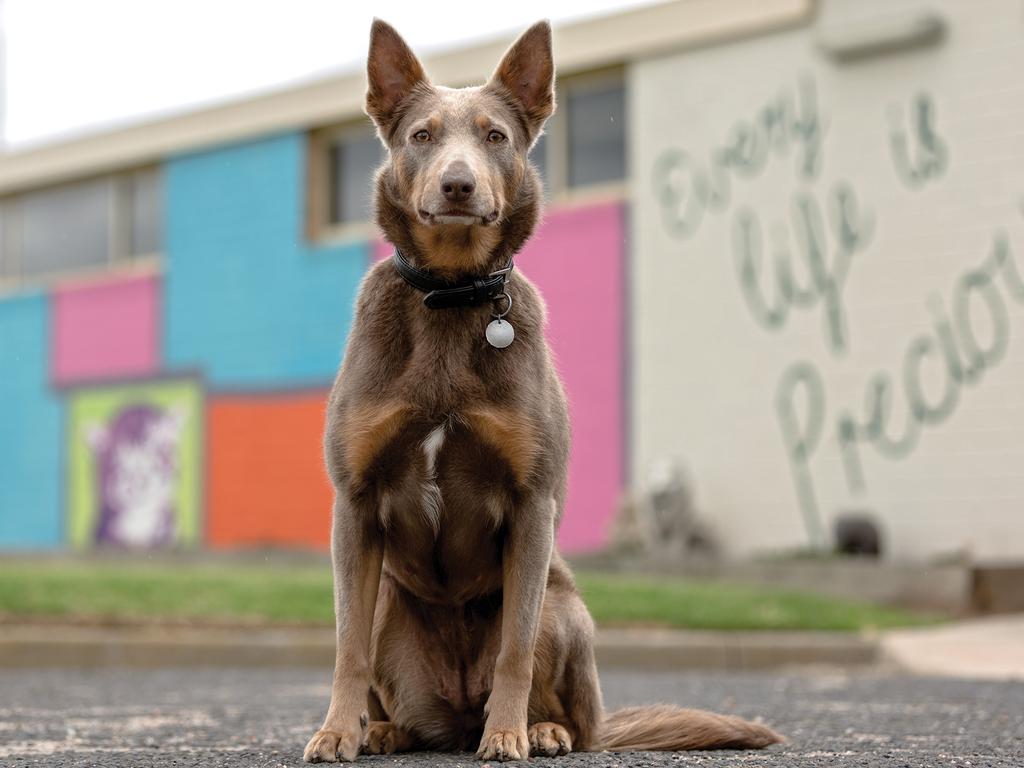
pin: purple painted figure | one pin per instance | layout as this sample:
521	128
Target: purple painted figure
136	460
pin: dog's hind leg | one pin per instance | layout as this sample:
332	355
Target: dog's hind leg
416	703
549	739
565	666
374	708
382	737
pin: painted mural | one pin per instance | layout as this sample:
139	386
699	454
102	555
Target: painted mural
135	465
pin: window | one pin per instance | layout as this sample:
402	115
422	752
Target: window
64	228
81	225
539	156
145	205
341	163
353	160
583	148
6	250
597	134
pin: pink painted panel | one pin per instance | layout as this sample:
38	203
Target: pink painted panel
380	249
104	330
576	259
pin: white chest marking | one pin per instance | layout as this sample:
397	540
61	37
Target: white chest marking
431	493
431	445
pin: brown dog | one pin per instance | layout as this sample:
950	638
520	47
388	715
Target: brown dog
459	625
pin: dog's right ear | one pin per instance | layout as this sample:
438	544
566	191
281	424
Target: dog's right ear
392	72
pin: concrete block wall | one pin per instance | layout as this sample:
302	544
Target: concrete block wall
828	313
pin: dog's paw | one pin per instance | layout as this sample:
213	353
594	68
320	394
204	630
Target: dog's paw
328	746
549	739
504	745
382	738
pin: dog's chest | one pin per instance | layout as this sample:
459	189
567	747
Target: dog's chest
444	516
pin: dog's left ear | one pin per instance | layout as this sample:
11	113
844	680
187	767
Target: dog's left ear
527	72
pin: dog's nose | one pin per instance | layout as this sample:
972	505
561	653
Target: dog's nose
457	183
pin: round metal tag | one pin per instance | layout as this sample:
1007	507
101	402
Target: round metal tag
500	333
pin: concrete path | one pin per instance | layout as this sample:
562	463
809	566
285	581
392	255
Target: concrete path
261	718
991	648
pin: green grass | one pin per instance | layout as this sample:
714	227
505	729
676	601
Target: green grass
630	600
136	590
282	593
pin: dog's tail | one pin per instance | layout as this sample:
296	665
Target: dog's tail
663	727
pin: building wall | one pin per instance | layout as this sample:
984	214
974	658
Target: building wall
577	260
249	301
30	428
185	406
828	317
266	481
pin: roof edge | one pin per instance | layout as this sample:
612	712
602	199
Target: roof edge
581	45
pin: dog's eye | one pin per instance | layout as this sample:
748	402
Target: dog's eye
494	137
421	136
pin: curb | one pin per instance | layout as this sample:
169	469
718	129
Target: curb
658	649
638	649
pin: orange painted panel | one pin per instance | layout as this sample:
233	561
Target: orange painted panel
266	481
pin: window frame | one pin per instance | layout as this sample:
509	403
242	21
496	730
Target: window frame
319	226
119	257
121	218
559	192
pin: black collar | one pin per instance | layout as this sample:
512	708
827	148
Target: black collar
444	295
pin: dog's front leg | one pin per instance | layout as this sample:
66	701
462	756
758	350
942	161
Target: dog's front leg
525	564
357	555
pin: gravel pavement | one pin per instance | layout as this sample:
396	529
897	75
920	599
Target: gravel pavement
261	718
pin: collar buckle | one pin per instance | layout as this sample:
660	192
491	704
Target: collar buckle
444	295
504	271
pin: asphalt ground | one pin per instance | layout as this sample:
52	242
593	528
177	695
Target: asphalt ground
262	718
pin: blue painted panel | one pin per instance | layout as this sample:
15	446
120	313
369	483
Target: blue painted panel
248	301
30	429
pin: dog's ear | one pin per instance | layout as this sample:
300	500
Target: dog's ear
527	72
392	72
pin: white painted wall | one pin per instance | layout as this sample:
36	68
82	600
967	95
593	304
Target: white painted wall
709	382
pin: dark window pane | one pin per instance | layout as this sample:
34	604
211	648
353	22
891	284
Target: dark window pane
539	157
597	134
144	214
353	161
65	227
6	256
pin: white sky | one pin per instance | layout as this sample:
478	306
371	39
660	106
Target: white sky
82	65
